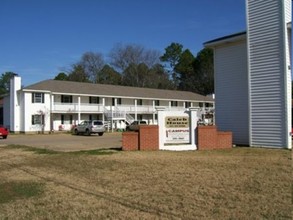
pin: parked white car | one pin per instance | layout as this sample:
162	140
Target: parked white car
90	127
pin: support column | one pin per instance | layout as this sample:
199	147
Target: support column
78	109
135	109
154	111
52	107
193	126
103	115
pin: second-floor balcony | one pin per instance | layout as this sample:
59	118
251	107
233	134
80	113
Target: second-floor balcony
59	107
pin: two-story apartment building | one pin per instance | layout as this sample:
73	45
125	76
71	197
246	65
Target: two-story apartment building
58	105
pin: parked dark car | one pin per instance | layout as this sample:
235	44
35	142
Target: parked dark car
3	132
90	127
134	126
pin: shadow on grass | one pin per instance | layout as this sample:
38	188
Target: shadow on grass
10	191
103	151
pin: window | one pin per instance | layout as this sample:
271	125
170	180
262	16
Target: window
174	103
157	102
70	119
38	97
139	102
94	100
37	119
66	98
62	119
118	101
187	104
98	123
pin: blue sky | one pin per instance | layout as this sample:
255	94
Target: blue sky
40	38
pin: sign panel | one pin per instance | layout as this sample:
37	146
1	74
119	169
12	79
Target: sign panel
177	130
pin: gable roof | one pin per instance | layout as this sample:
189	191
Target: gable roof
69	87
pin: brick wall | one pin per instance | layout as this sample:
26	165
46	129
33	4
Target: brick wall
224	139
210	138
130	141
146	139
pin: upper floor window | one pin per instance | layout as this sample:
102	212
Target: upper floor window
139	102
174	103
187	104
157	102
94	100
117	101
38	97
66	98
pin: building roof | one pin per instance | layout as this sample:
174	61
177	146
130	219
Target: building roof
226	39
69	87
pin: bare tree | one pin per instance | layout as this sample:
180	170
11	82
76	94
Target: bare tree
122	56
92	64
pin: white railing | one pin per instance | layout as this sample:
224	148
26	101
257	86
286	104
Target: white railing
91	107
110	111
148	109
65	107
129	119
74	107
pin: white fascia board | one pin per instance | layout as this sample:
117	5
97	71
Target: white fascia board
35	90
225	40
129	97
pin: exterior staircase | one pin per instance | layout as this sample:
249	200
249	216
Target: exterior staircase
114	114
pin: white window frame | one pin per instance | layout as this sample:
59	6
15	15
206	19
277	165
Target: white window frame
37	119
38	97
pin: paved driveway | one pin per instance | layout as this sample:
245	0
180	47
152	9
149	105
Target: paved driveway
65	142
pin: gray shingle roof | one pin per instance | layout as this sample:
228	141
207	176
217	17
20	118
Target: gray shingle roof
68	87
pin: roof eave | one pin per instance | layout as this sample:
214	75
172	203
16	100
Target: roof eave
226	40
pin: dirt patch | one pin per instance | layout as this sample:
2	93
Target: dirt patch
241	183
65	141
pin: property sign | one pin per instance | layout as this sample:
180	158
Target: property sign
177	129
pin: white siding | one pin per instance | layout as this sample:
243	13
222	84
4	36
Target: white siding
231	90
267	74
288	65
30	109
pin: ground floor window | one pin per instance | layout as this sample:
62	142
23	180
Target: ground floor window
37	119
66	119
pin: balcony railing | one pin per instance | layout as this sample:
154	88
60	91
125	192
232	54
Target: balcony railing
99	108
74	107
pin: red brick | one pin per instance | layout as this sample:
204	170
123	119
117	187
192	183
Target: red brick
209	138
148	137
129	141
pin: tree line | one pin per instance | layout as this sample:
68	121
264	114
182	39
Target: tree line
135	65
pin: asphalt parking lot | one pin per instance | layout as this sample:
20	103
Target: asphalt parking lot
65	141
